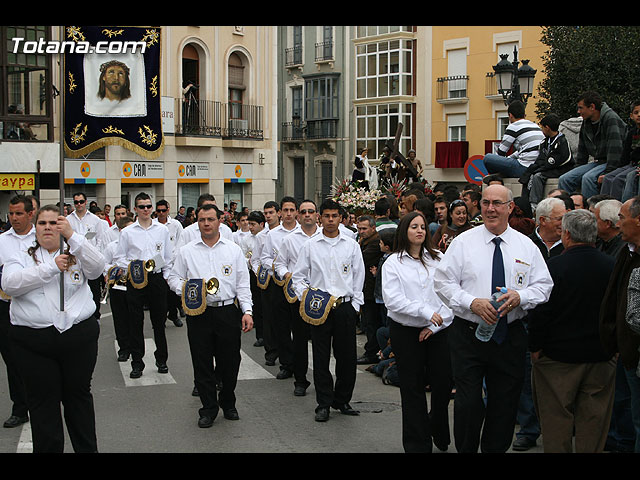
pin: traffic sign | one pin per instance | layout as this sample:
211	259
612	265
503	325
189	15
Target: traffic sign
475	170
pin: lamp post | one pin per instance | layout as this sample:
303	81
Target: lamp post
514	83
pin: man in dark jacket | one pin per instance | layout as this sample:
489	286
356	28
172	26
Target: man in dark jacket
370	314
601	137
615	334
573	377
554	159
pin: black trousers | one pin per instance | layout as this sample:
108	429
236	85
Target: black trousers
301	331
96	291
155	296
16	386
215	335
173	303
502	366
56	369
121	323
268	331
371	321
414	359
281	322
337	332
256	296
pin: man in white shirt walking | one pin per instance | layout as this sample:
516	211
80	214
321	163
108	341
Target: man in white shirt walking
280	318
215	324
332	263
478	263
284	265
175	231
146	240
95	229
18	238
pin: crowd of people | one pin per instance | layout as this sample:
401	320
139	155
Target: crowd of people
554	278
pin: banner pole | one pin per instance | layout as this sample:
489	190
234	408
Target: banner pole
61	176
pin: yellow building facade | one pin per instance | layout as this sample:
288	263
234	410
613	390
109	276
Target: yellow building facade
463	107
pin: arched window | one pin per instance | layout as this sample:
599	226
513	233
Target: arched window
236	86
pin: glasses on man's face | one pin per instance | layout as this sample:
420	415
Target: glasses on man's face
493	203
78	202
161	210
144	207
310	211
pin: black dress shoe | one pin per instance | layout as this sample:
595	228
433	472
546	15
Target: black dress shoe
14	421
259	343
284	373
162	367
177	322
364	360
123	357
345	409
205	421
269	362
522	444
322	414
194	392
299	391
135	373
231	414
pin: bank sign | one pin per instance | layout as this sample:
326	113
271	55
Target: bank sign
189	172
142	172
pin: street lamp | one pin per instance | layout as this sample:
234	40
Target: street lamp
514	83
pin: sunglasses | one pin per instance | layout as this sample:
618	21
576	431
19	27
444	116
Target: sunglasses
161	210
144	207
78	202
304	212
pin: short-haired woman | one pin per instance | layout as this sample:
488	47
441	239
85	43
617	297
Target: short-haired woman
55	349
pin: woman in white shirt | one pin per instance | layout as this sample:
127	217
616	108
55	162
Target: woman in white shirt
418	322
56	349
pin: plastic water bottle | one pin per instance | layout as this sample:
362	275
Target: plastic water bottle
484	330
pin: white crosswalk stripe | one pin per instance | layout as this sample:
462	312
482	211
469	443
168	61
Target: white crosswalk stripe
150	376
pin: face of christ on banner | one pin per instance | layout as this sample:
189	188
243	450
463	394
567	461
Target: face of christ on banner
114	83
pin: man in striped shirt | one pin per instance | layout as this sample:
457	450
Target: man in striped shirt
524	136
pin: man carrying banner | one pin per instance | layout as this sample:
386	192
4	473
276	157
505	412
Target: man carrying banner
145	250
328	279
211	275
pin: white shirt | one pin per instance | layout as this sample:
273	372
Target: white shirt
175	231
290	248
464	273
271	245
112	233
258	243
139	243
12	243
35	288
90	223
224	261
407	290
334	265
238	235
192	232
346	231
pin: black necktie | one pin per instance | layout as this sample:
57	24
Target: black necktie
497	280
